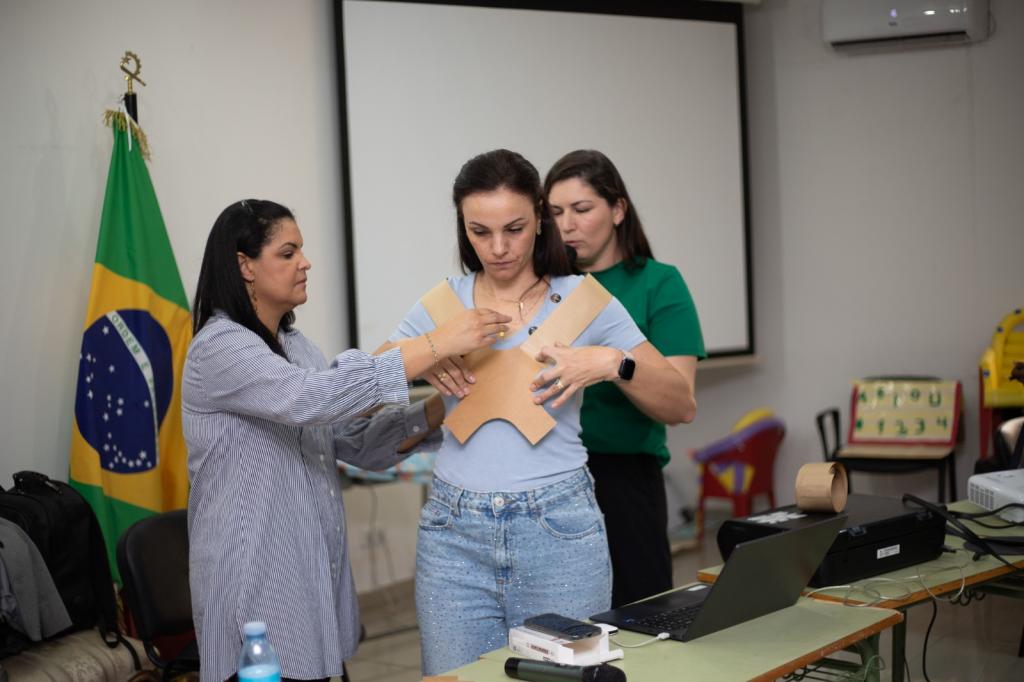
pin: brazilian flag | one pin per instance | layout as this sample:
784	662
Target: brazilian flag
128	456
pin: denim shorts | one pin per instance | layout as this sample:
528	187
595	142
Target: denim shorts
487	561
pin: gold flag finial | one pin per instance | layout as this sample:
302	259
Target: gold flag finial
133	74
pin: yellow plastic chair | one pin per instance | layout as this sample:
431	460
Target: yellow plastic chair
996	388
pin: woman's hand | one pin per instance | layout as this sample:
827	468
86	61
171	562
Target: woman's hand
450	377
574	370
469	330
466	332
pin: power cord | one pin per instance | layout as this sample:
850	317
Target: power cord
876	661
1007	524
956	527
874	664
661	636
975	516
978	544
988	512
927	633
878	597
920	578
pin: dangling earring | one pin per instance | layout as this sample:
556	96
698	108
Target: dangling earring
538	229
252	296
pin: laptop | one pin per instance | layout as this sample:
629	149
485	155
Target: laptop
760	576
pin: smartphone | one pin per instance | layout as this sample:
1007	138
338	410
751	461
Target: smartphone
561	626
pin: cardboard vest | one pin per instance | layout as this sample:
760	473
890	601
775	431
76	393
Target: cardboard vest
503	377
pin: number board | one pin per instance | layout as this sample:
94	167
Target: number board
904	412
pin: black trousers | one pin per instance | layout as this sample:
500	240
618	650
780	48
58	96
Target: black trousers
630	490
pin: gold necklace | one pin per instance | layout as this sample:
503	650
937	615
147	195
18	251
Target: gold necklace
519	302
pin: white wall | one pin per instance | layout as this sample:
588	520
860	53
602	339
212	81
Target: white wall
887	222
241	102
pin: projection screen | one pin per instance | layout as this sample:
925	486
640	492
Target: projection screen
424	87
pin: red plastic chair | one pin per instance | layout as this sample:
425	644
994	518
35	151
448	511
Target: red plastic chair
739	466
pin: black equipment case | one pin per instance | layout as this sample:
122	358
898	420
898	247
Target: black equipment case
882	534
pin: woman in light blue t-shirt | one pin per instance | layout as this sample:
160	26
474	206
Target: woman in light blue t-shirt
512	530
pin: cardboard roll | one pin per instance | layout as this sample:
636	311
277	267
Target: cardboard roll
821	487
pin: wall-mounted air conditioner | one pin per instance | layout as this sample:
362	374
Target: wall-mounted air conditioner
847	22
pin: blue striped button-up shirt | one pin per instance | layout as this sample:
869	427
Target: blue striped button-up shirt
266	523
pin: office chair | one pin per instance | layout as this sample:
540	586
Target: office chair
152	556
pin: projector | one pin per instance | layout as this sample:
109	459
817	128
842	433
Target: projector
993	490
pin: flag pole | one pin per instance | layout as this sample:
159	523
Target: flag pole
131	102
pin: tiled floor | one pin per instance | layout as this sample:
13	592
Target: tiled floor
967	644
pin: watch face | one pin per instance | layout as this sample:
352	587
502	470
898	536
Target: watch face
627	368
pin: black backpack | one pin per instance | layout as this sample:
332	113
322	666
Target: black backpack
64	528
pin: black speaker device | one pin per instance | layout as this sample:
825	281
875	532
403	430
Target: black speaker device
543	671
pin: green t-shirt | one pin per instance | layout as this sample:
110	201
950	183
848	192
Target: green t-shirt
660	303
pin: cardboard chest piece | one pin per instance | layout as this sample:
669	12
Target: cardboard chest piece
503	377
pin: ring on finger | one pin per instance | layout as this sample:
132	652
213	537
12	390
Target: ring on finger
559	385
443	376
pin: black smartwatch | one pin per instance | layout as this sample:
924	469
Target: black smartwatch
627	366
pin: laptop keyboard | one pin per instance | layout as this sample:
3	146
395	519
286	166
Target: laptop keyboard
669	621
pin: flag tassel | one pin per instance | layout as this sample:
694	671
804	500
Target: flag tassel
120	119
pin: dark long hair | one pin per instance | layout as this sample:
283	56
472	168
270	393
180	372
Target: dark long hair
597	170
501	168
243	227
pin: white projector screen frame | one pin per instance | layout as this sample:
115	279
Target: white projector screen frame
426	86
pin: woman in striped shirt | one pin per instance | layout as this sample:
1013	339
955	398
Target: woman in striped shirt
265	418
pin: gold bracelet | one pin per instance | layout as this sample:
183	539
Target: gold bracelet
433	349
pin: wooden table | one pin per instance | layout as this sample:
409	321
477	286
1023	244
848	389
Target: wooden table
917	584
761	649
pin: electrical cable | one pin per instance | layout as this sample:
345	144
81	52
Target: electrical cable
865	670
1007	524
928	632
976	516
812	672
660	636
993	512
962	531
876	595
920	578
956	527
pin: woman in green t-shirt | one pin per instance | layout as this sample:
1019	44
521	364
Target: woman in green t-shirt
624	433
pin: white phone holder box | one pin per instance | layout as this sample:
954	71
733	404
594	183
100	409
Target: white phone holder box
543	647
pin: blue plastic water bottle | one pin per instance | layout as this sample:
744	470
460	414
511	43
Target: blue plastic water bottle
258	662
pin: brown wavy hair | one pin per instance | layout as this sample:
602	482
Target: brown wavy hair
597	170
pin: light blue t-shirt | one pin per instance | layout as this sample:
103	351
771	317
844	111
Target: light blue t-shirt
497	458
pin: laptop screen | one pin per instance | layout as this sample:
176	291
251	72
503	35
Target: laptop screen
760	576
